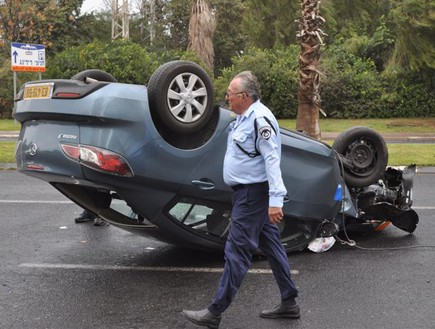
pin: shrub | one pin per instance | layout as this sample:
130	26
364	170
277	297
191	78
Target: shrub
350	87
277	72
7	87
128	62
406	97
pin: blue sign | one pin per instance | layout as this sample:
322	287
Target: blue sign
27	57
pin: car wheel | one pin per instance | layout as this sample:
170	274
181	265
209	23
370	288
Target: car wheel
365	153
95	75
181	96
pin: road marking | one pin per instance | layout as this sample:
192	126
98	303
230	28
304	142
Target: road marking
35	201
70	202
140	268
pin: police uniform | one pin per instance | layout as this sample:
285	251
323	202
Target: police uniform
252	169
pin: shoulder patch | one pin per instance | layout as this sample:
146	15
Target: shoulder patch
265	132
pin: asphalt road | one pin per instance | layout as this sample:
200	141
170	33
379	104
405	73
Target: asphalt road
59	275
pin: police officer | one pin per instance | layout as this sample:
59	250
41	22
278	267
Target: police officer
252	169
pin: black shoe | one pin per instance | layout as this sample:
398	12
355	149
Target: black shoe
203	318
84	217
282	311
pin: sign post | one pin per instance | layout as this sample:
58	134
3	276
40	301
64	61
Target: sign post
27	57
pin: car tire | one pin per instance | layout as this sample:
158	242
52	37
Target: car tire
181	96
366	153
94	74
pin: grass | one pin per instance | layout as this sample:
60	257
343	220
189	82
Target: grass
423	155
7	150
9	125
399	154
416	125
400	125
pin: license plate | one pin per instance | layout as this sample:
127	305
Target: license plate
38	90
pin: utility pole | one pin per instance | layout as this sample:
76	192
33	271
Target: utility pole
120	27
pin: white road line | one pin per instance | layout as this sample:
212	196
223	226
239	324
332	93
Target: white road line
68	202
139	268
35	201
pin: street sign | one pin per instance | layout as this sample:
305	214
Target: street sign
27	57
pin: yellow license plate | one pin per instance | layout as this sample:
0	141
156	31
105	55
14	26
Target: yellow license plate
38	90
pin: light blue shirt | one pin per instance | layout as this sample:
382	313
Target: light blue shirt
239	168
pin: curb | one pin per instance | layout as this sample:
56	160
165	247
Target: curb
8	166
420	170
389	137
395	137
9	134
409	137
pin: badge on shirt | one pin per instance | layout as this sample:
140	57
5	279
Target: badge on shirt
265	132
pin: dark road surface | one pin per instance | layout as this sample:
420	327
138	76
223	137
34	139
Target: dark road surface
60	275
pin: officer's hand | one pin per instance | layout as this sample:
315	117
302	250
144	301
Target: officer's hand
275	215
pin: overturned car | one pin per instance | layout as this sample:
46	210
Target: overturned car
148	159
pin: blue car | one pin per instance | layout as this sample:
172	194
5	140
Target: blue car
148	159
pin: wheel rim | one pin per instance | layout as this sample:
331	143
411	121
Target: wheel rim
362	153
187	98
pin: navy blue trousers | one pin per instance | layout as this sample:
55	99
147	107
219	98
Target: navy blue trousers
251	229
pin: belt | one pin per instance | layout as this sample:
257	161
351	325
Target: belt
240	186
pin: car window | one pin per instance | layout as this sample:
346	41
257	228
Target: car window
210	217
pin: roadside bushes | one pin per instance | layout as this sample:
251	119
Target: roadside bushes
7	87
353	88
350	87
407	97
277	72
128	62
6	90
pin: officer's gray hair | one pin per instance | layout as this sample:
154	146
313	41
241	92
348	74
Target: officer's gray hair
250	84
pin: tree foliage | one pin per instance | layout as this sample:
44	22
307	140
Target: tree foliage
229	39
125	60
415	26
28	21
379	58
351	87
277	72
57	24
269	23
355	16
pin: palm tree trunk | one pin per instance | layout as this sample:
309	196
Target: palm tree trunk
309	34
202	25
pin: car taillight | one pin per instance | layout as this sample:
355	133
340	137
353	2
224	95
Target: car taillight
72	151
98	158
67	95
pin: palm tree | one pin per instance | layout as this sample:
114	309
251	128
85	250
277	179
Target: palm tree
202	25
310	36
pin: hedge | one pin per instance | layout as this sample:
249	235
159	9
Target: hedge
350	86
